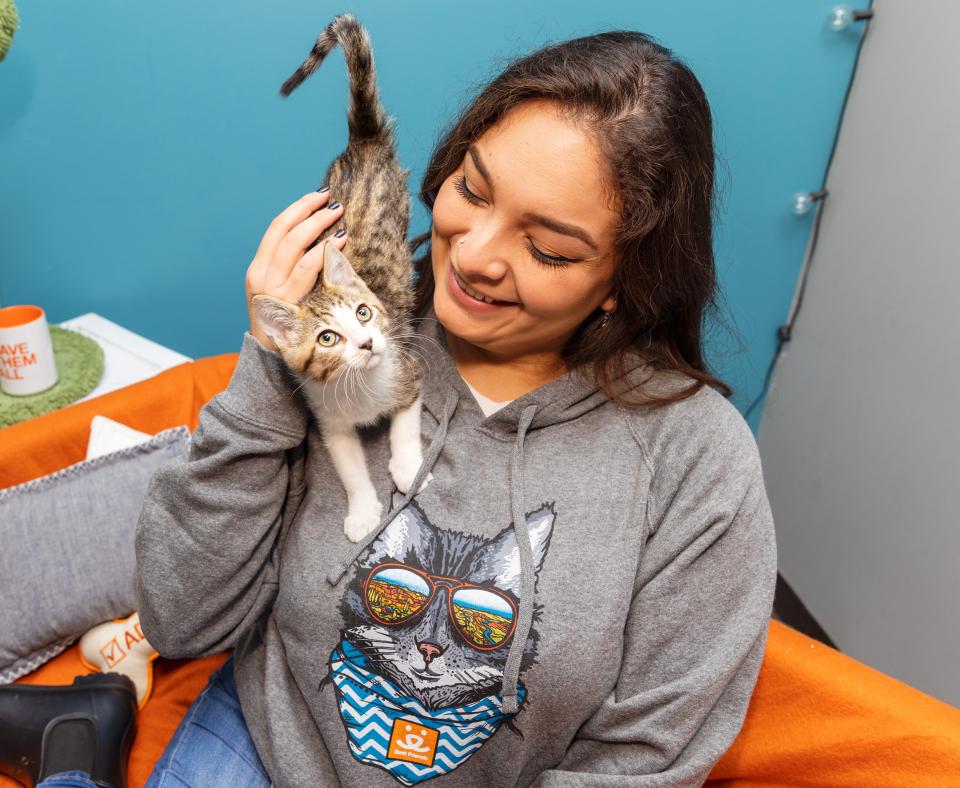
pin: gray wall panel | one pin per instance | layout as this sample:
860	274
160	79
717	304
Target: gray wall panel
861	434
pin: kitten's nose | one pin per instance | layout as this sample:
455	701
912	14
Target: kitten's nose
430	651
368	345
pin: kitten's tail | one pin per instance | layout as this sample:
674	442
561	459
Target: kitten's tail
366	117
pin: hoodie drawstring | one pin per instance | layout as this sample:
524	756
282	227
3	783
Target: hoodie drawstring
511	671
433	452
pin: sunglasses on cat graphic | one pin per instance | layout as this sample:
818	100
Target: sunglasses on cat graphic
396	594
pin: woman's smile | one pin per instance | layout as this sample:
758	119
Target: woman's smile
473	299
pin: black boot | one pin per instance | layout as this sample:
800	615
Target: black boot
88	726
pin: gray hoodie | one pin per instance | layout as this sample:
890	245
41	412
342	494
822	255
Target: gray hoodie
579	597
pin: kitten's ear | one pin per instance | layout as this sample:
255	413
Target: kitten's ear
279	319
499	560
337	271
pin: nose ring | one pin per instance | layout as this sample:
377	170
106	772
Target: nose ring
462	240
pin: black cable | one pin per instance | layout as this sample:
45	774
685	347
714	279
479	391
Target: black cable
785	332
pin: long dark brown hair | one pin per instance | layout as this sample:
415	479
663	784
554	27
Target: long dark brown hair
651	121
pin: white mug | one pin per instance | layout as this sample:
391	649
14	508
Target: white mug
27	364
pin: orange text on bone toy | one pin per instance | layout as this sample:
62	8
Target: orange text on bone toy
13	358
113	653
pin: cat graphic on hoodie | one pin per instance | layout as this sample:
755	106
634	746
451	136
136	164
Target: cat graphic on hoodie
429	617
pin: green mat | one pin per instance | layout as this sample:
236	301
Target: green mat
9	22
80	367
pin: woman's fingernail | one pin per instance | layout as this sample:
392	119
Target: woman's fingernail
340	233
323	189
333	206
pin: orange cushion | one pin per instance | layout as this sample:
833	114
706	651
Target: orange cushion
820	717
817	716
57	439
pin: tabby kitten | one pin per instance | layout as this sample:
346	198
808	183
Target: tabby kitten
346	339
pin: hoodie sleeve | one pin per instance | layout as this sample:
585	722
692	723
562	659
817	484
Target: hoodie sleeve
697	626
205	537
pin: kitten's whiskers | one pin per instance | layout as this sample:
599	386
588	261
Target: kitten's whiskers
361	379
412	349
411	335
306	380
336	392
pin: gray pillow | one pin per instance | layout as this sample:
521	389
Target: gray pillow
66	550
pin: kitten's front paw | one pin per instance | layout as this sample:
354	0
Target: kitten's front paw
403	468
362	520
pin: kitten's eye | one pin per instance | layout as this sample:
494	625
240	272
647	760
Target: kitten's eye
328	338
364	313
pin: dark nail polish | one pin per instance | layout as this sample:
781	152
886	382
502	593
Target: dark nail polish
339	233
333	206
323	189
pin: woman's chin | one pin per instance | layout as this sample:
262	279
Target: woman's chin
461	331
457	322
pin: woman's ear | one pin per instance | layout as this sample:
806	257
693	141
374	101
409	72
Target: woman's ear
610	303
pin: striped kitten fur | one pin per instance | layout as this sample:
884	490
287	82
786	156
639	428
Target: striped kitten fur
346	340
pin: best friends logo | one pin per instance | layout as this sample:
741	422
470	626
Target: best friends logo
412	742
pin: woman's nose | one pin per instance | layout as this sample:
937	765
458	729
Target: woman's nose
480	255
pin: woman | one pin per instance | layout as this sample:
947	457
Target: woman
580	595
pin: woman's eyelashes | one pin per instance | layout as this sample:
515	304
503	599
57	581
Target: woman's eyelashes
460	184
546	259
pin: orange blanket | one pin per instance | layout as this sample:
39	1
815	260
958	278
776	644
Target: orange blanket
817	717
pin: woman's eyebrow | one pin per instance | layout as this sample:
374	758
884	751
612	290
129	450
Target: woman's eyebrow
551	224
478	163
562	228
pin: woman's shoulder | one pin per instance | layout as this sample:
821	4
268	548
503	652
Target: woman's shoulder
705	468
705	425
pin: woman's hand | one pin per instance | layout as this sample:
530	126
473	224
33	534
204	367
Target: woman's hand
282	267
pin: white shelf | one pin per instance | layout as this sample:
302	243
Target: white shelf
127	357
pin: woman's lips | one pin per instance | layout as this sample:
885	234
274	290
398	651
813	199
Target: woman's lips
467	300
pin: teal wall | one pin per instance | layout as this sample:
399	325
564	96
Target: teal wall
144	147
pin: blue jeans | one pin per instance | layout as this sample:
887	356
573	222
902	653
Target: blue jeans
210	748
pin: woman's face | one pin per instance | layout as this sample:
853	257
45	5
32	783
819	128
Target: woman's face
525	220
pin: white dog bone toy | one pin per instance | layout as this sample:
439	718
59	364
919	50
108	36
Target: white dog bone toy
119	646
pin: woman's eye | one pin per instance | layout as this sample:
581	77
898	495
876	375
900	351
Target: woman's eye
460	184
328	338
547	259
364	313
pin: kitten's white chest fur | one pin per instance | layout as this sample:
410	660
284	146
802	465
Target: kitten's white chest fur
342	407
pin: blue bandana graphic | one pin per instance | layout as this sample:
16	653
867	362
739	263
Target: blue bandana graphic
396	733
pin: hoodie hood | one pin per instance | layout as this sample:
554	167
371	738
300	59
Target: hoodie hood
444	391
